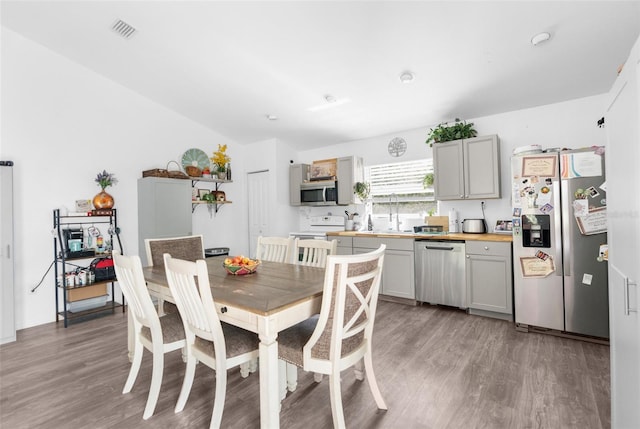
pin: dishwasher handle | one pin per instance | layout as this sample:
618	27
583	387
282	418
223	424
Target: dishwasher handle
439	248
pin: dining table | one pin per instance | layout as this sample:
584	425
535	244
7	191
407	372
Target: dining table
273	298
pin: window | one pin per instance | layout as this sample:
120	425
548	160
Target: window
406	182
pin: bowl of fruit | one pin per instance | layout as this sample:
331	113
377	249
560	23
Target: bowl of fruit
240	265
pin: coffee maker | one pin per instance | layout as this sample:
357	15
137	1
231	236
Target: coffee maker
73	242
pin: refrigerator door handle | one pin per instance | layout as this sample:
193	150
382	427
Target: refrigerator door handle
627	309
565	240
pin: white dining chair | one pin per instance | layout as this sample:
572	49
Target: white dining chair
189	248
275	249
218	345
313	253
340	337
159	335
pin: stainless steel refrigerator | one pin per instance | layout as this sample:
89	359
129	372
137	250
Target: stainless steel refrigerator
560	241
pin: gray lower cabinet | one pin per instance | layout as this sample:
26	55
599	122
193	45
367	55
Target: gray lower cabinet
345	245
489	279
398	277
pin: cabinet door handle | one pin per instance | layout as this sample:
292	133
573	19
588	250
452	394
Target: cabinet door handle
627	309
486	247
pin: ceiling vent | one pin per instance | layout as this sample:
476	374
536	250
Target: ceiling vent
123	29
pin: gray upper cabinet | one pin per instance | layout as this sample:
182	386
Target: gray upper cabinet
467	169
350	171
297	174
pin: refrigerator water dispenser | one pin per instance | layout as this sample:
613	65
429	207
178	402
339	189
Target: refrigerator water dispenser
536	231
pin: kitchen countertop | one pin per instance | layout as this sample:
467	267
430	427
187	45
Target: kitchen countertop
507	238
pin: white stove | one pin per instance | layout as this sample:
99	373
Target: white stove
319	226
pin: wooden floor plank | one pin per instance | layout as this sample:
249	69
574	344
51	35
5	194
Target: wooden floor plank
437	367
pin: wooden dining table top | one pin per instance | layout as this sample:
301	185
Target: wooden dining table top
273	287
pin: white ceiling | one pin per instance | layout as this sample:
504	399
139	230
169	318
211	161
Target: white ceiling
227	65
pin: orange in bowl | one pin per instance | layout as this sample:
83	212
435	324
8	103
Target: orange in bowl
240	265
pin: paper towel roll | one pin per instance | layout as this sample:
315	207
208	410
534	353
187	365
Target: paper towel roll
453	221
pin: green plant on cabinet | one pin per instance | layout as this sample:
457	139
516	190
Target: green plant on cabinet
444	132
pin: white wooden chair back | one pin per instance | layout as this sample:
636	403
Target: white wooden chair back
345	326
275	249
189	285
131	280
194	300
189	248
313	253
158	335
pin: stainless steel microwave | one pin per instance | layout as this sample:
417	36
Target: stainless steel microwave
319	193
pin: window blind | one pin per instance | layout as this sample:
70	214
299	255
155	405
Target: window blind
401	178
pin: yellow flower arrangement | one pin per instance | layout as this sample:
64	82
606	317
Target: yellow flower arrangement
220	158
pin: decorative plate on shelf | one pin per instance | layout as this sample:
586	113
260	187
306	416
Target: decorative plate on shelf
195	158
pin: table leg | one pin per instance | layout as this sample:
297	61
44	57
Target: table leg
269	395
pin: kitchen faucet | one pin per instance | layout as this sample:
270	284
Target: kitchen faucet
397	211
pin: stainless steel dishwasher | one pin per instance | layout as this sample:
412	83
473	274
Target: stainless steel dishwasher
440	272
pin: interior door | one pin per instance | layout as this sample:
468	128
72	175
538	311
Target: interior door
259	198
7	319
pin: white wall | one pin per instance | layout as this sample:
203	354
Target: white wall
61	125
570	124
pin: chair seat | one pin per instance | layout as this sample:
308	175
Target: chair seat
172	329
169	307
292	340
237	340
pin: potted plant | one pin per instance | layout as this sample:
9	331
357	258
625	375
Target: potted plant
103	200
444	132
220	160
427	181
362	189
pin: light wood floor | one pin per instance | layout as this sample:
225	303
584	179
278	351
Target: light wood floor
436	367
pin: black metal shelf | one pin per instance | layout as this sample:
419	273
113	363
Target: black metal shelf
61	261
109	306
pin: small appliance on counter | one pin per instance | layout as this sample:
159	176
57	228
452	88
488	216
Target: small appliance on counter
429	229
216	251
474	226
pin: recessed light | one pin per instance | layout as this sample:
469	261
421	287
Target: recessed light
272	117
540	38
406	77
330	98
